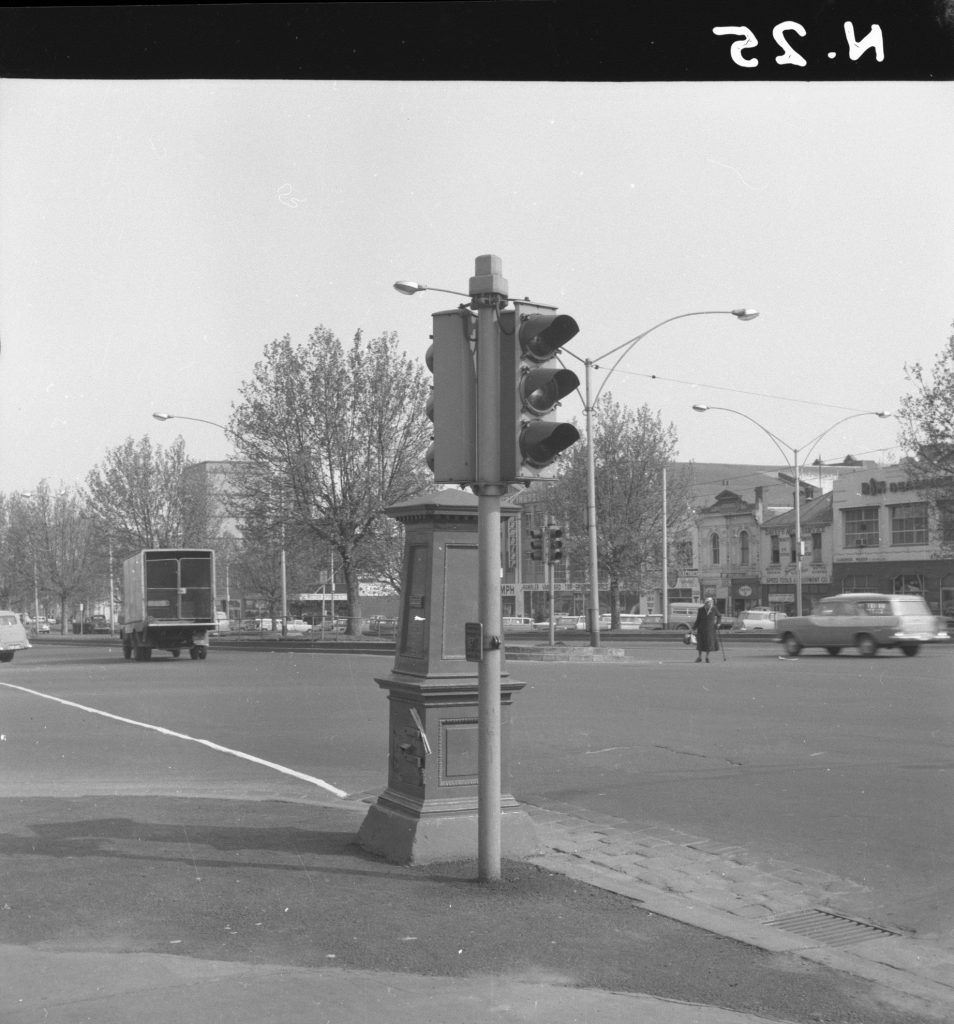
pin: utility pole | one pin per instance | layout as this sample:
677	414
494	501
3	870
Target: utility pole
488	289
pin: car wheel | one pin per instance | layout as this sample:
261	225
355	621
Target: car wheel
866	645
6	655
194	653
791	645
176	652
833	650
910	649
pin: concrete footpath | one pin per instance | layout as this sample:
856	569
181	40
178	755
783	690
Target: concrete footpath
148	909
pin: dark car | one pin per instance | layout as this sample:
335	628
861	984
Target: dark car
96	624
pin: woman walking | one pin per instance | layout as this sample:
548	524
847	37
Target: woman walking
707	629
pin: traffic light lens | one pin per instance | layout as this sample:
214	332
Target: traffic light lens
542	441
541	335
542	389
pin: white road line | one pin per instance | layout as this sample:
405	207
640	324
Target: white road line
182	736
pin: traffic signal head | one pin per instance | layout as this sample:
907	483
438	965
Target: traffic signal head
556	544
452	404
532	386
537	545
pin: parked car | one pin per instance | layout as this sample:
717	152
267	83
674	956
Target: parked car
652	621
517	623
867	622
296	626
13	636
42	625
222	624
754	619
96	624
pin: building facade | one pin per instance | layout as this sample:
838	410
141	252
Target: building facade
887	540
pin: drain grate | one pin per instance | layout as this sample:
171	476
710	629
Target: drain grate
832	929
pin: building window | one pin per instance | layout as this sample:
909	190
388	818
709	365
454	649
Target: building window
945	514
714	548
792	549
907	583
816	548
858	583
776	550
744	548
909	523
861	527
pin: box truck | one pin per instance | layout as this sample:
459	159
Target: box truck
168	602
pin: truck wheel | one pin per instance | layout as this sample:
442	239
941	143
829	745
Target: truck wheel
127	648
194	653
203	653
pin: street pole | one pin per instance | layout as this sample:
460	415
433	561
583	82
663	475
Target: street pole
488	289
665	554
551	581
593	609
798	535
112	592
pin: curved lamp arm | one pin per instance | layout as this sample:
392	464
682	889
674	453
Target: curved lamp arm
163	416
628	346
777	441
810	445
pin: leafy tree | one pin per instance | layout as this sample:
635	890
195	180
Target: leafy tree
142	500
331	438
927	432
630	452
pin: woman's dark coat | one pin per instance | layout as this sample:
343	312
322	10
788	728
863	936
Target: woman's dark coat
707	629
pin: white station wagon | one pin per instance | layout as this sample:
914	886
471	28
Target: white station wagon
13	636
866	622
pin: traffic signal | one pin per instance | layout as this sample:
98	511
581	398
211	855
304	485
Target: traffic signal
533	383
537	545
556	544
452	405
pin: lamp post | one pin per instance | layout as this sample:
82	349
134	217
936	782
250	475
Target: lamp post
163	417
785	449
593	611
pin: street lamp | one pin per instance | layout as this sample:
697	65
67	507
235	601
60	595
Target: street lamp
412	288
162	417
624	349
785	449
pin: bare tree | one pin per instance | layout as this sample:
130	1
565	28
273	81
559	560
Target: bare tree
927	433
332	437
58	548
630	453
140	496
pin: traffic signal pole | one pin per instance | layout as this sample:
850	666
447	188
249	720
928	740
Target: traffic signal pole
488	289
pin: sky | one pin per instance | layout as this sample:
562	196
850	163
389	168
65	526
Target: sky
156	236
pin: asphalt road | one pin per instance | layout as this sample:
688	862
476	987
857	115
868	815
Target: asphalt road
842	765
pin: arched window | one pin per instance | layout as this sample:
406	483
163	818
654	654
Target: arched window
714	547
744	547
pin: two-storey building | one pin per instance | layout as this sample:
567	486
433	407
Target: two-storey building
888	540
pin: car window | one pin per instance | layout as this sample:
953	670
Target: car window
828	609
8	620
874	607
